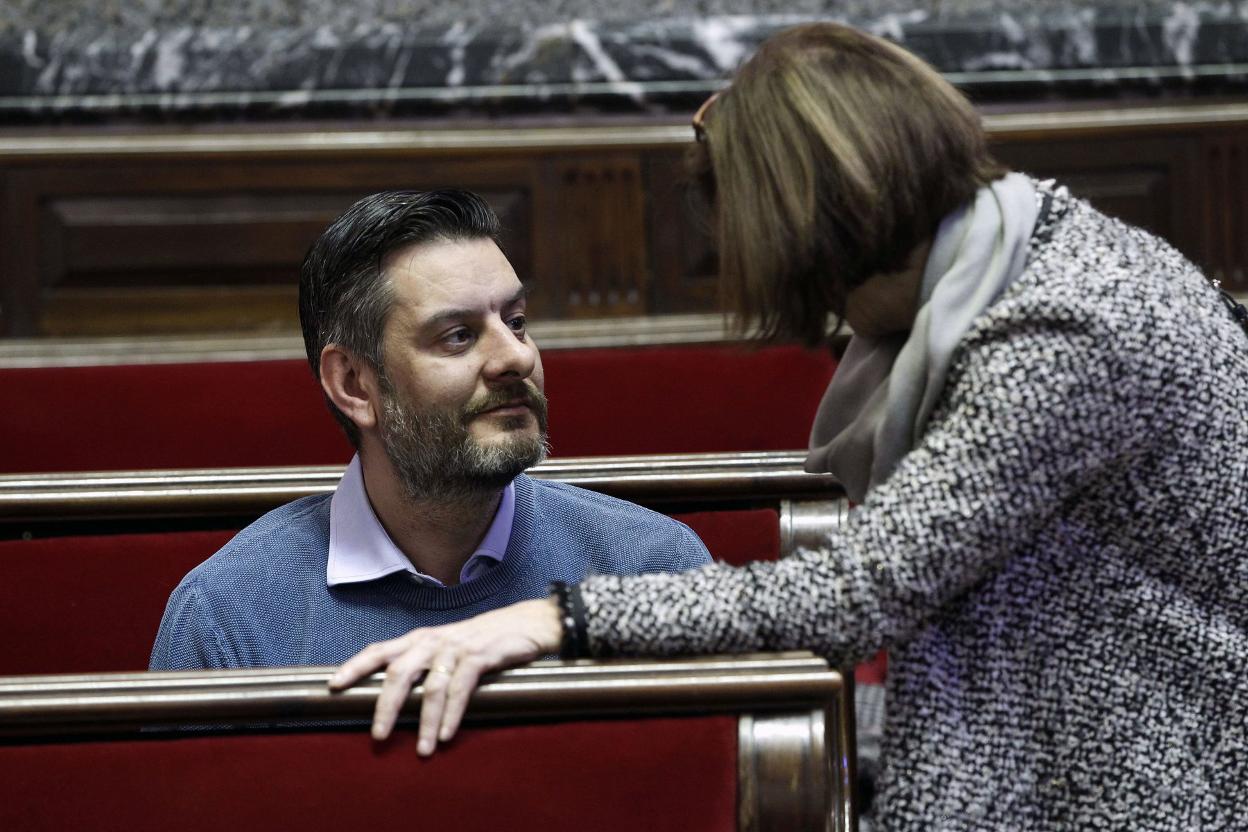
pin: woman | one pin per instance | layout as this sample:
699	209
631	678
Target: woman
1041	415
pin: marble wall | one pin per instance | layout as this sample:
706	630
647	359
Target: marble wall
265	57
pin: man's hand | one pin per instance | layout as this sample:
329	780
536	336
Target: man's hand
452	658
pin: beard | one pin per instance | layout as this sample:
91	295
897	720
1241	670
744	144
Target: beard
436	457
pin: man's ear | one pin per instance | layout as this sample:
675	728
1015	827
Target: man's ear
352	385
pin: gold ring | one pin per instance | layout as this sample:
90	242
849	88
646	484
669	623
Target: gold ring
441	668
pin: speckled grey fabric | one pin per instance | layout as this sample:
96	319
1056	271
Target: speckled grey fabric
1058	568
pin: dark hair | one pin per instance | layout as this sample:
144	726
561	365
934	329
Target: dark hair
344	295
830	158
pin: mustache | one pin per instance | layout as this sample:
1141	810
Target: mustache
516	392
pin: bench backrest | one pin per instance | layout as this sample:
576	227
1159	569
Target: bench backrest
749	742
92	602
668	774
89	603
261	413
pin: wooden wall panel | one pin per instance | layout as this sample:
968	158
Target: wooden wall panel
598	236
1148	182
682	258
118	240
1224	226
1186	186
196	240
172	246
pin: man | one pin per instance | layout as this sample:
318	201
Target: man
414	323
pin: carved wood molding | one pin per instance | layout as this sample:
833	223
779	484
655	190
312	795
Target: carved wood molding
584	333
266	141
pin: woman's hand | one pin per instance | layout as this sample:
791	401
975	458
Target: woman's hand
452	658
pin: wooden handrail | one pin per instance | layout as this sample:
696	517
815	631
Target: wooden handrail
795	714
589	333
671	132
656	480
105	702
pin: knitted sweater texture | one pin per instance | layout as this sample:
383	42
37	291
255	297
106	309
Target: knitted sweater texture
263	601
1058	568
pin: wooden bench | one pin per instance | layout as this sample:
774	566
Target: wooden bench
90	559
762	742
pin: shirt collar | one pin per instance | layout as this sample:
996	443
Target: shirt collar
361	550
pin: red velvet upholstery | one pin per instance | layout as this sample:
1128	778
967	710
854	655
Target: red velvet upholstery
683	399
737	537
83	604
166	416
656	774
608	401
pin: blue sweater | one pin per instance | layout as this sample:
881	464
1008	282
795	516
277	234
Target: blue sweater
263	601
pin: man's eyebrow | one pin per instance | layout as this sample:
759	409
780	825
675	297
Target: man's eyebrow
447	316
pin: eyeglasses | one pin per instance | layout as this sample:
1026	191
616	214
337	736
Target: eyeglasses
699	118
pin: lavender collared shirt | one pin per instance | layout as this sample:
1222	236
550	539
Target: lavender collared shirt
360	549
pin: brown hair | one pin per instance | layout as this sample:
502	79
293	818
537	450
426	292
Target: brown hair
830	158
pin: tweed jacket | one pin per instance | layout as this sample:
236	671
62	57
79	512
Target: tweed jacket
1059	568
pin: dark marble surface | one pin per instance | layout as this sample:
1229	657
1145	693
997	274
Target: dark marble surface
263	58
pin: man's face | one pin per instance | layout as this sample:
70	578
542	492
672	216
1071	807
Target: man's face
462	404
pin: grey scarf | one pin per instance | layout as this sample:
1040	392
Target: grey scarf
877	406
